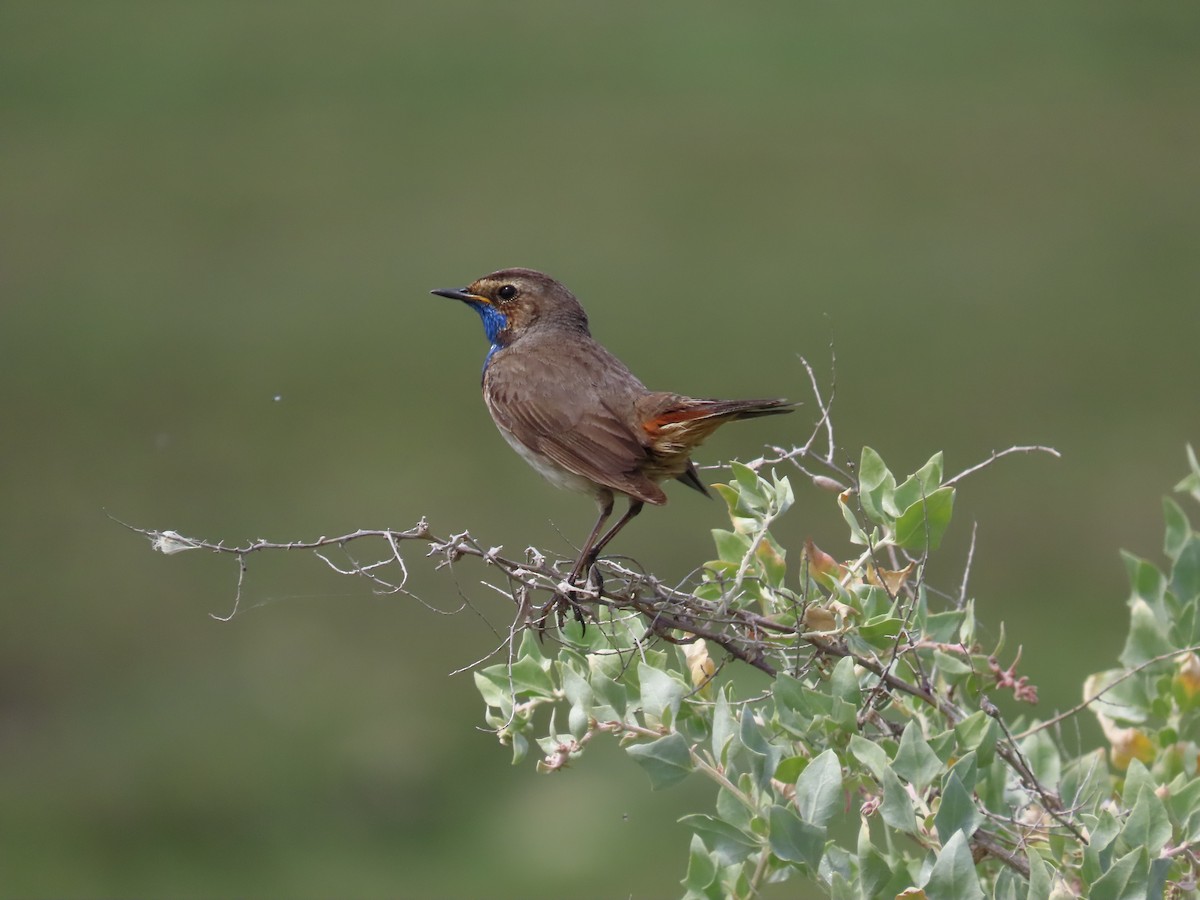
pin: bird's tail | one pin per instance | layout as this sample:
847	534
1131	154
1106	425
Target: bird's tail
744	409
689	414
676	425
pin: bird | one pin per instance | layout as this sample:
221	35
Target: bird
576	413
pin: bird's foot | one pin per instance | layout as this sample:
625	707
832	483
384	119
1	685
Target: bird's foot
558	606
566	599
595	581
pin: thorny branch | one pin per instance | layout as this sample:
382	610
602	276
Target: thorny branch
663	606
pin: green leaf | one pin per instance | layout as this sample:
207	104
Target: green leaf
794	840
1178	529
742	523
922	525
845	694
880	631
611	696
729	845
1125	879
701	870
876	488
747	479
661	694
840	886
953	669
798	705
857	535
579	694
761	757
1146	580
728	493
724	726
956	812
1137	779
752	491
531	649
941	627
1124	699
527	676
991	788
520	746
1191	482
819	789
966	633
789	768
1147	637
784	495
1184	804
1097	853
1105	831
966	768
897	808
731	808
792	693
667	761
772	560
942	745
1085	780
869	754
530	677
1156	882
1185	575
1148	824
843	683
914	761
492	684
920	483
1043	758
978	732
751	733
1006	886
1185	629
843	715
953	875
1039	877
874	873
730	547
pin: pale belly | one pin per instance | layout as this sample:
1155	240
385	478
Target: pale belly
556	475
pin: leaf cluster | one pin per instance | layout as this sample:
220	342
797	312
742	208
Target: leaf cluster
875	761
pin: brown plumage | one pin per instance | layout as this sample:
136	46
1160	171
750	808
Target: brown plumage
575	412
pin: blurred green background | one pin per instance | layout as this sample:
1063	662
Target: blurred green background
991	212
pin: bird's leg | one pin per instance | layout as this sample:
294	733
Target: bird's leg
585	565
587	555
559	602
635	507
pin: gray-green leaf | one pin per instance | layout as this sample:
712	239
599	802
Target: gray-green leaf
819	789
667	761
953	875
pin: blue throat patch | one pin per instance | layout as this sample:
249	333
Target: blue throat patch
494	322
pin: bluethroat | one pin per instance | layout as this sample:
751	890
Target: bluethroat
575	412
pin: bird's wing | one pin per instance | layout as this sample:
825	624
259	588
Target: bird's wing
559	413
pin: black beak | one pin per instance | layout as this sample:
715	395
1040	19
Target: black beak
454	294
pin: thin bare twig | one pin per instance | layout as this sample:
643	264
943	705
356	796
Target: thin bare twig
999	454
962	590
1129	673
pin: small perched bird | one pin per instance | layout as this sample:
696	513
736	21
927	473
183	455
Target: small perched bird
574	411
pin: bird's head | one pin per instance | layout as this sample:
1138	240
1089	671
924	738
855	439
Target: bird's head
513	302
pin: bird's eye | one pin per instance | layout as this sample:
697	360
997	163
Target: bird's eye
507	292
